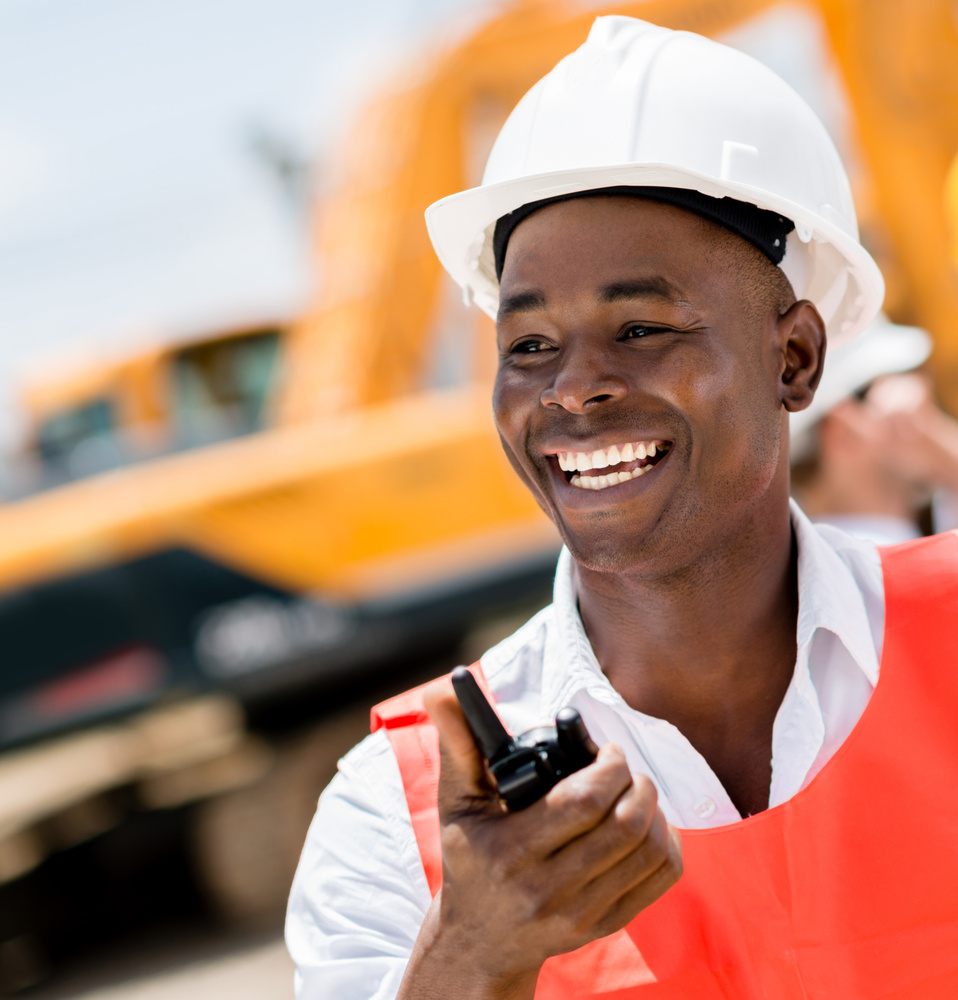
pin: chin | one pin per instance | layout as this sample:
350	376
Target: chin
667	543
613	551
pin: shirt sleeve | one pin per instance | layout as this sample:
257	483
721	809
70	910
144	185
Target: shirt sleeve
360	893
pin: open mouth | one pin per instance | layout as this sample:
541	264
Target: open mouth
598	470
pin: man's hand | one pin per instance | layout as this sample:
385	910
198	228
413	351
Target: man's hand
916	434
520	887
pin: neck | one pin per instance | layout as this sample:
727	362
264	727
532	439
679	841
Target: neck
710	648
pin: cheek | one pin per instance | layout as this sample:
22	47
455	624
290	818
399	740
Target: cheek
736	417
510	407
748	429
513	406
759	409
709	396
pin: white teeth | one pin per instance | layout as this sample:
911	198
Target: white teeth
613	479
604	458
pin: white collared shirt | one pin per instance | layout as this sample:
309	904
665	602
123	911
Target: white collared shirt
360	893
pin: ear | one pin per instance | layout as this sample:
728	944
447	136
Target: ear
801	342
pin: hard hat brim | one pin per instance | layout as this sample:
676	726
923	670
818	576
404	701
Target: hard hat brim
461	229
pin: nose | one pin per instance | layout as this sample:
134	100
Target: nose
585	377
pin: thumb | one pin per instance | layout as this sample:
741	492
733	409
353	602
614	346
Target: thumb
463	776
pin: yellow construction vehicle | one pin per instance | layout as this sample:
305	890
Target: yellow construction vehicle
257	510
225	549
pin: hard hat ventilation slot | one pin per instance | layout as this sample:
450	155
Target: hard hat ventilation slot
733	155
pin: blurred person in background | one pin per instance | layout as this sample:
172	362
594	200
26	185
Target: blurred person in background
874	455
664	231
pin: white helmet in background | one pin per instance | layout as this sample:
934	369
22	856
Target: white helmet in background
642	106
883	348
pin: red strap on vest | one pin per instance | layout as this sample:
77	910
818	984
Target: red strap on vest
845	892
415	743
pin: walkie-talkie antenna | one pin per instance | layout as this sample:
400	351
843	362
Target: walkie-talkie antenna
490	734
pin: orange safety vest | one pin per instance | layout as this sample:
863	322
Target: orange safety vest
849	890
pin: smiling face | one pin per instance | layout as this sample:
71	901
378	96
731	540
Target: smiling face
644	372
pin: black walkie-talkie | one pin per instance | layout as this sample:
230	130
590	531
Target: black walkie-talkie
527	766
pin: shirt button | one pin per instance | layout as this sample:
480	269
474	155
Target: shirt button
704	808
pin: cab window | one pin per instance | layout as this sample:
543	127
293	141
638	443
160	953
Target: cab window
221	389
78	441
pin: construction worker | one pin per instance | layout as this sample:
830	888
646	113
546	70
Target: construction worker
874	454
664	233
843	473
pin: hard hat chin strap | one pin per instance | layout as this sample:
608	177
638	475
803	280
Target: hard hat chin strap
765	230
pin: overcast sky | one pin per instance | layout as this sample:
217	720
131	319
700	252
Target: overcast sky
131	196
132	201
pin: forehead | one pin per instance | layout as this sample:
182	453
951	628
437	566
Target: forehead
597	240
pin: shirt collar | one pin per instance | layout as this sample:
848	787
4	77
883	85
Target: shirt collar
828	598
570	664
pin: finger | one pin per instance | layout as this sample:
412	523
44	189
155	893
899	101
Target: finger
634	866
578	803
646	891
611	901
635	830
463	774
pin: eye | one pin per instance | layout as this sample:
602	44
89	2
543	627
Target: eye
636	330
528	346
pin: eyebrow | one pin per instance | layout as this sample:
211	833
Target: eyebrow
619	291
521	302
643	288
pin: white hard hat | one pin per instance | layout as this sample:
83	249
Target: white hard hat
884	348
640	105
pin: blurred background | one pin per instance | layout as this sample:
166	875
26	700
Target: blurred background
249	484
